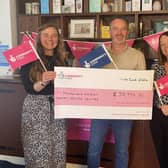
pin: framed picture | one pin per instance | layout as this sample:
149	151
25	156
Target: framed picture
82	28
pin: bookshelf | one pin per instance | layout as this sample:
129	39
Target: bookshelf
31	22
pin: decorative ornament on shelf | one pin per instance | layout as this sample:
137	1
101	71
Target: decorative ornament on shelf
156	5
105	8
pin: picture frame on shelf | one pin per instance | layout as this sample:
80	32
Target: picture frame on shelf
82	28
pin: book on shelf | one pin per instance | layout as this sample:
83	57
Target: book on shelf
118	5
128	5
79	6
56	6
107	5
97	58
136	5
165	4
94	6
44	7
70	4
146	5
105	32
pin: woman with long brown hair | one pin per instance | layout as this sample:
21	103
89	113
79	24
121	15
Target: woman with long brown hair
159	122
44	138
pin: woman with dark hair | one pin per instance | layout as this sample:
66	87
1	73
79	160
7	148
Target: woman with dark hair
44	138
159	122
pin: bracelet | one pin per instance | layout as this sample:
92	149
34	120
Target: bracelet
43	84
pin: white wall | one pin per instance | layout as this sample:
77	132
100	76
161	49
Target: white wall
8	30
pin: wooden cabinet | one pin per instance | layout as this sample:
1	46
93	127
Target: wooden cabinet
12	95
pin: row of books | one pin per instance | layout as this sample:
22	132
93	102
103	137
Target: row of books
105	5
61	6
146	5
76	6
136	5
98	6
127	5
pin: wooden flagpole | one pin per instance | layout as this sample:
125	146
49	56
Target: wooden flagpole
38	56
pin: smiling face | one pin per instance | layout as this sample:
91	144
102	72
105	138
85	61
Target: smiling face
49	39
119	31
164	45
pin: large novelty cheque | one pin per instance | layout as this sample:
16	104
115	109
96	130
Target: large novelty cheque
103	93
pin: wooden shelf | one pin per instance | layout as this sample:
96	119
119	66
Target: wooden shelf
64	18
32	22
147	18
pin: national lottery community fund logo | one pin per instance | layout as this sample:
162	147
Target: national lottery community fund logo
62	75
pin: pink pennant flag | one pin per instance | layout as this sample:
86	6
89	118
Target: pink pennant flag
27	36
21	55
153	40
79	48
162	85
24	38
34	35
130	42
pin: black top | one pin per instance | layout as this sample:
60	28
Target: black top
28	84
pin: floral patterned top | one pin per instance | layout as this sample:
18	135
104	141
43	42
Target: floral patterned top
159	73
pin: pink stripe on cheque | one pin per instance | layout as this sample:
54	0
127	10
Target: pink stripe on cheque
103	97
